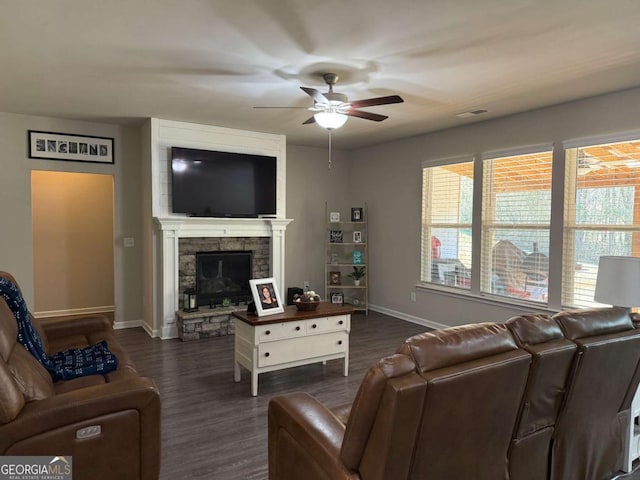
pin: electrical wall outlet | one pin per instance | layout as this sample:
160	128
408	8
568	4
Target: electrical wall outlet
413	296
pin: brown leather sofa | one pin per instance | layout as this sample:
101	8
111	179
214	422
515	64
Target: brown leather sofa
519	401
109	424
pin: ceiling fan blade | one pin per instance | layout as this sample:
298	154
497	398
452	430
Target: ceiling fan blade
366	115
371	102
309	121
317	96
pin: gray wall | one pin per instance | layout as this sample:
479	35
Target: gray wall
390	180
386	176
310	184
16	243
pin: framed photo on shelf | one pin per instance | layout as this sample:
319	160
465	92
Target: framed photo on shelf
266	297
70	147
357	214
334	217
357	236
334	278
337	297
335	236
357	257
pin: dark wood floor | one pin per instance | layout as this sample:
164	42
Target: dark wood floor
212	428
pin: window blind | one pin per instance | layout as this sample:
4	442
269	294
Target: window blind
602	213
447	204
516	215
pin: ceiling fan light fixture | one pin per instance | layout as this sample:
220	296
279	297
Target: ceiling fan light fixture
330	120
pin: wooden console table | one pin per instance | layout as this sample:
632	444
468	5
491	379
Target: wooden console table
290	339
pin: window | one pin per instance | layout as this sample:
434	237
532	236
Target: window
516	215
601	214
447	203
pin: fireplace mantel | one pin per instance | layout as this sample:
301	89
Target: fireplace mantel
170	229
222	227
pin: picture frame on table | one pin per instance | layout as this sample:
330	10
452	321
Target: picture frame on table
337	298
70	147
335	278
357	214
266	296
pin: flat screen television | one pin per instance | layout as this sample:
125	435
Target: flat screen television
207	183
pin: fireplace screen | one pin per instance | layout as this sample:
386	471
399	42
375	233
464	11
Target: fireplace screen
223	275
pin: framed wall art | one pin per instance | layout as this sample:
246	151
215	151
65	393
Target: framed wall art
70	147
335	236
357	214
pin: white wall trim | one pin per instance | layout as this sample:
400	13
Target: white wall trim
439	162
601	139
512	152
128	324
168	331
407	317
75	311
151	332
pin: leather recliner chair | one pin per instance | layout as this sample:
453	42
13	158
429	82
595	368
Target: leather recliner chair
588	442
109	424
550	400
443	407
552	357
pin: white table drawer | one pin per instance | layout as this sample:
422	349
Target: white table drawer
277	331
283	351
328	324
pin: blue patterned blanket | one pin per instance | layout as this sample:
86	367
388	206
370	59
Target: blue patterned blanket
78	362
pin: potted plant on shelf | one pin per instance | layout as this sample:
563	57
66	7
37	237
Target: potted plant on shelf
357	274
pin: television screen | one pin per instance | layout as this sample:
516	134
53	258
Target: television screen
222	184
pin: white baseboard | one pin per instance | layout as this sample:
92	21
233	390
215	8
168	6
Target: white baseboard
127	324
407	317
76	311
168	332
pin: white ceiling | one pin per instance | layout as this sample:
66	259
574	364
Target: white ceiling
211	62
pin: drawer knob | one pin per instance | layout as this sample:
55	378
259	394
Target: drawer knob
268	332
266	354
340	322
313	326
298	328
339	342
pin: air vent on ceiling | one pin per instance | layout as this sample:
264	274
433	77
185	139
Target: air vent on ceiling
472	113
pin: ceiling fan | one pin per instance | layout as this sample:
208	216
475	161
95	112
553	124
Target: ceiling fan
588	164
333	108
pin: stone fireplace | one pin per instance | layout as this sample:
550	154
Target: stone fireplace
178	239
220	268
167	230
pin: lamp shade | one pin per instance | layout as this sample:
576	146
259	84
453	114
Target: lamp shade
618	281
330	119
